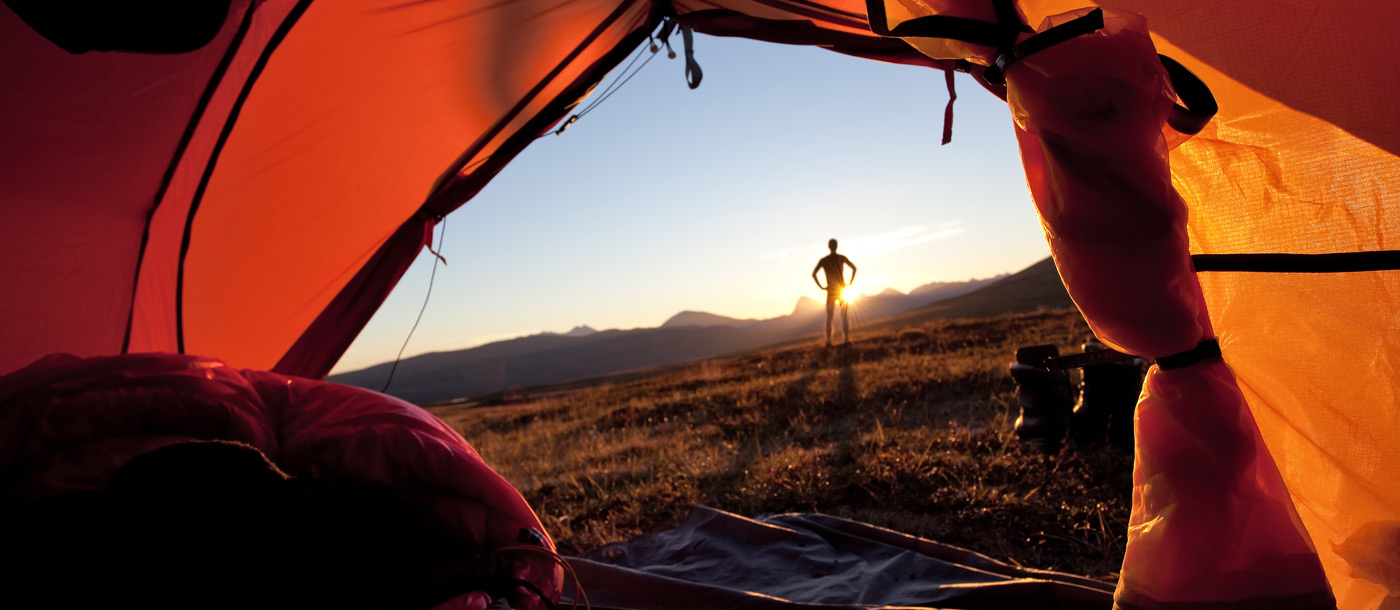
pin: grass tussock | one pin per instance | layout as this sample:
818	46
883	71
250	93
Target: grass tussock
909	429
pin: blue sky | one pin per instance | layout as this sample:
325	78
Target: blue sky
721	199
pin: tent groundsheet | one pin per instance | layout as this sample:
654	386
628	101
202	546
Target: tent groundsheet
810	561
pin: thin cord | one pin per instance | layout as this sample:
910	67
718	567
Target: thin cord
620	80
431	277
618	87
630	63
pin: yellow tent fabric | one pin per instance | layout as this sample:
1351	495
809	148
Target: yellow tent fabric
1300	159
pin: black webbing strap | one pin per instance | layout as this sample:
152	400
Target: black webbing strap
1088	23
1079	361
1197	105
1010	20
1336	262
1205	350
972	31
945	26
1000	35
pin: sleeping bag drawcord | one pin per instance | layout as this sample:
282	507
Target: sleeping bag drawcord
431	277
533	588
579	593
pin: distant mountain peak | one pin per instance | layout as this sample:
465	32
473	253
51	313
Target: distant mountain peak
582	330
701	318
890	292
805	304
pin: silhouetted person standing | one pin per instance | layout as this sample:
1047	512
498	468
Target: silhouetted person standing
835	266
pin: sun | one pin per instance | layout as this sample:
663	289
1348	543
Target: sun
848	295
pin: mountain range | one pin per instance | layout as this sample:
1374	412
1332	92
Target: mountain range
582	352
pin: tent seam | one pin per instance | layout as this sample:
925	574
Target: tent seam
215	80
276	40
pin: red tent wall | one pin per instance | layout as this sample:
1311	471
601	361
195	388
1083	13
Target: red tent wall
86	142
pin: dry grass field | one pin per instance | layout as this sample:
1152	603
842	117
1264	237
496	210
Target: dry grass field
906	428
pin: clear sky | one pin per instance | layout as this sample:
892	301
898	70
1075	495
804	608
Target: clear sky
721	199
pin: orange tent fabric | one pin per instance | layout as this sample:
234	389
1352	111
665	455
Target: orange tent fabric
1300	162
255	197
1211	521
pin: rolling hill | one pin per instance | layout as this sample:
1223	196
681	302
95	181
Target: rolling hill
550	358
1035	287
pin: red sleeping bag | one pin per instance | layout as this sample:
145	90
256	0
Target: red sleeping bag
67	424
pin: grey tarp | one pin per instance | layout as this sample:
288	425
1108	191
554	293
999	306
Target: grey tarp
811	562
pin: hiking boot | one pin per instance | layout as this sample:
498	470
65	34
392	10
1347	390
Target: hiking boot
1044	396
1108	396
